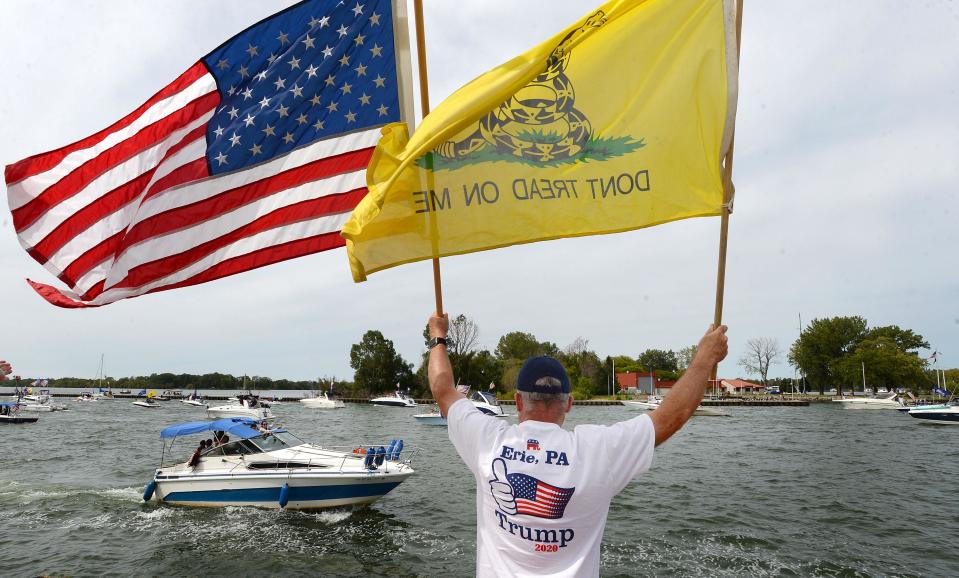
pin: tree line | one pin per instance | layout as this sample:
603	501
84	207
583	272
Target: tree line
379	368
829	353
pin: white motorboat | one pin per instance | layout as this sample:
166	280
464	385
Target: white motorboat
147	402
322	401
42	406
484	401
41	402
193	399
395	399
274	469
947	414
10	413
246	406
432	418
654	402
648	405
888	401
487	403
87	396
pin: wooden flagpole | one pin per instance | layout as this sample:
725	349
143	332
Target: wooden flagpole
425	107
728	192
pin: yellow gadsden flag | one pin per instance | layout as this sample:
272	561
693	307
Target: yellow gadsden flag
616	123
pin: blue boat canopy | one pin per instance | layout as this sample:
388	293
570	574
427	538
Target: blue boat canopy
235	426
9	403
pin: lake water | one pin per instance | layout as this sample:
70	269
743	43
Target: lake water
815	491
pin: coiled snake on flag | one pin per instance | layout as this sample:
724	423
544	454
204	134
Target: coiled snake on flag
540	122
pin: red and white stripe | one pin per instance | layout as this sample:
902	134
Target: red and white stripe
133	209
549	502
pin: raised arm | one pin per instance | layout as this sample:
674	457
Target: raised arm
440	370
688	392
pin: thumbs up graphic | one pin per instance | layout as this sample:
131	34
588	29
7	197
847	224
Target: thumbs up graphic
501	489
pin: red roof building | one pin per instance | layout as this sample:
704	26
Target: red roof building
739	386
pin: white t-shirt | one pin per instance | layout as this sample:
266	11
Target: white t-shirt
542	492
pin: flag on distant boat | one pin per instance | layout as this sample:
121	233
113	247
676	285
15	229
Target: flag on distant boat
934	357
940	391
619	122
255	155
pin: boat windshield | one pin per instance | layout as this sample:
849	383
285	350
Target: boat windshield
234	448
485	397
278	440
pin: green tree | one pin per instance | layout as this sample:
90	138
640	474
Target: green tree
658	360
822	344
378	367
905	339
519	345
886	365
585	369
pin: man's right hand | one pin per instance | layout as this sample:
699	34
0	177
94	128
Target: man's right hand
439	326
713	347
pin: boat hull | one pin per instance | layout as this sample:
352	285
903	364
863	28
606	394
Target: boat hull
38	407
863	404
937	416
392	403
640	405
239	411
430	419
306	491
319	403
17	419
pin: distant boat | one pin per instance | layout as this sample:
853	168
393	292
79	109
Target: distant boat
432	418
10	413
246	406
947	414
889	401
147	401
193	399
322	401
653	403
395	399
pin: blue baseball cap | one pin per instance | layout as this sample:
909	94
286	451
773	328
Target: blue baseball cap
535	373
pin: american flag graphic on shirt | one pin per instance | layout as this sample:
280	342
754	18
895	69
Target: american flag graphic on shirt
537	498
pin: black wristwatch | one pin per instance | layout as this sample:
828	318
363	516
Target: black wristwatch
439	340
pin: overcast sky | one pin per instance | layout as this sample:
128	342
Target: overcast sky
847	169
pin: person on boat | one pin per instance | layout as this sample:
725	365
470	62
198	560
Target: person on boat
543	492
195	458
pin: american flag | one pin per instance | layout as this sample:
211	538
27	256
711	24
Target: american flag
255	155
537	498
